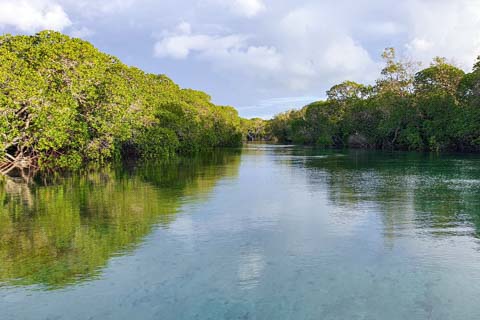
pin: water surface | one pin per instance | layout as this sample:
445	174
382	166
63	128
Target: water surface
271	232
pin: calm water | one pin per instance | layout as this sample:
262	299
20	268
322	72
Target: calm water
270	232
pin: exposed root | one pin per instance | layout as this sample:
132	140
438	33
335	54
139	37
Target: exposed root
19	166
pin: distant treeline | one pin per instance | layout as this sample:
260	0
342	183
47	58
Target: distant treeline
63	104
435	109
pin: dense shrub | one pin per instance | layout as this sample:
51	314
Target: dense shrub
63	103
435	109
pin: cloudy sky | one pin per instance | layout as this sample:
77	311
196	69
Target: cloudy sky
261	56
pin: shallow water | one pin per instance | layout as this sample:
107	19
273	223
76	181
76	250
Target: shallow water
271	232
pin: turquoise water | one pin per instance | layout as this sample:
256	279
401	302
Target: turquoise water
268	232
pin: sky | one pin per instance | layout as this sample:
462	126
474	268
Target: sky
260	56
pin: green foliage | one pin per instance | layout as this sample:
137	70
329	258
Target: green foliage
63	104
435	109
254	129
439	77
154	141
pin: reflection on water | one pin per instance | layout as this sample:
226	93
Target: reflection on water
276	232
250	269
423	193
66	231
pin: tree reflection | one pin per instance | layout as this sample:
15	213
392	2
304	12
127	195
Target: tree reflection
61	233
439	195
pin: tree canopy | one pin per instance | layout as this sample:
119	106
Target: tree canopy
434	109
63	103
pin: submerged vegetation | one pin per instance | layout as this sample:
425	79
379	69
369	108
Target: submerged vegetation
63	104
435	109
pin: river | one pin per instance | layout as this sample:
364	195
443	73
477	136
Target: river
266	232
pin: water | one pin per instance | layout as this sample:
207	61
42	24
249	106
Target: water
271	232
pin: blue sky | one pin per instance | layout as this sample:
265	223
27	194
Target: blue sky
260	56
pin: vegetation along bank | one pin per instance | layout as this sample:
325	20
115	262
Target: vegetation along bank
435	109
64	104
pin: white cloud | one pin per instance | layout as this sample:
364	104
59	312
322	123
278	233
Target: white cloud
248	8
180	46
245	8
82	32
321	49
113	5
33	15
262	48
296	61
226	51
346	55
419	46
383	28
444	28
184	28
95	8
